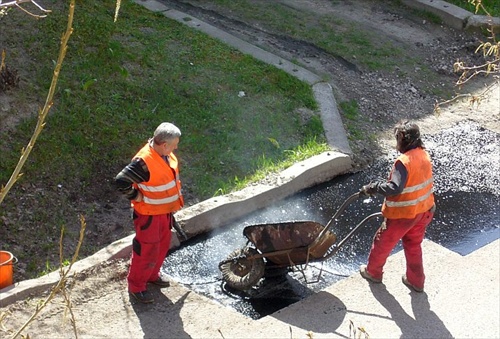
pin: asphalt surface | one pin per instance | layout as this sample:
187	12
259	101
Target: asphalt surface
461	297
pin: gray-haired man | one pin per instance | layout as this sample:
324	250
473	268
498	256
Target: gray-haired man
151	182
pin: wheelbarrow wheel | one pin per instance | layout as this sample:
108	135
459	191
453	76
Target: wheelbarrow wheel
240	271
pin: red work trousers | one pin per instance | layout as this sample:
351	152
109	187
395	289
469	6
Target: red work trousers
149	249
411	232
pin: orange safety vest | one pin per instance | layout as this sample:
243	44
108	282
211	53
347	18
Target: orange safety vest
417	196
162	193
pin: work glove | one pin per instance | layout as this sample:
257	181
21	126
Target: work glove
369	189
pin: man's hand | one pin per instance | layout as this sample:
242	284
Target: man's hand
369	189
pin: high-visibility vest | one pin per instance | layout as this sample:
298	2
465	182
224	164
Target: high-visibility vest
417	196
162	193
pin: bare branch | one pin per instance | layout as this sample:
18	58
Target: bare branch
117	9
60	286
42	115
17	3
489	67
473	99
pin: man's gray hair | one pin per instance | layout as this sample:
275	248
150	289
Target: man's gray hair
166	131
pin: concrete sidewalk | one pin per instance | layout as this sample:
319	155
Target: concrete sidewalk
461	300
455	304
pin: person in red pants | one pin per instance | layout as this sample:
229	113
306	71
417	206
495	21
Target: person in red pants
151	182
408	208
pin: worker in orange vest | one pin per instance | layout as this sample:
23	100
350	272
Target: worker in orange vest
151	182
407	209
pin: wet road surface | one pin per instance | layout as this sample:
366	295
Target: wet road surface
466	171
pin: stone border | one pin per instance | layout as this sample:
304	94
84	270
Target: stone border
455	16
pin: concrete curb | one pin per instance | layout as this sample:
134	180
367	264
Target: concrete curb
476	22
455	16
219	211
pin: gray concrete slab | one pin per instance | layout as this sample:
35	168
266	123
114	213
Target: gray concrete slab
454	16
390	310
330	117
461	300
477	22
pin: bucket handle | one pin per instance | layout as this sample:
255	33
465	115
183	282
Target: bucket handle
13	261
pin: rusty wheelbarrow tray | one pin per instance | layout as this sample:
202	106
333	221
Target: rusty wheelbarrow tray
286	244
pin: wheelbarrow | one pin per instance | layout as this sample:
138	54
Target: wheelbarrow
284	245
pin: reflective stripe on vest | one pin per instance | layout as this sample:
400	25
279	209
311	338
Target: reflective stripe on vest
159	188
417	196
409	202
162	193
161	201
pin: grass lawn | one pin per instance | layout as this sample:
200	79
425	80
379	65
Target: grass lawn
120	80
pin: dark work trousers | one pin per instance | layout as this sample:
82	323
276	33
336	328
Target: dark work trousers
411	232
149	249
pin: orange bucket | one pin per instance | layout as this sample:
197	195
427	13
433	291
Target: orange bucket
7	260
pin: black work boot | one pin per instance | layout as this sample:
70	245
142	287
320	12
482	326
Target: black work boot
160	282
143	297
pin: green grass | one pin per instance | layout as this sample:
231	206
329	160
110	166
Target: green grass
267	165
326	31
120	80
350	110
492	6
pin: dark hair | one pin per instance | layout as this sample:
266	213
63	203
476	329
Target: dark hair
410	135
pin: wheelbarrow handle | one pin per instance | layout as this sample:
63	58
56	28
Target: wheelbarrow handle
355	229
337	247
342	207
